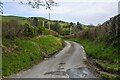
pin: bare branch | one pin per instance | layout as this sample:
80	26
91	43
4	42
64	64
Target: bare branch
48	4
1	7
37	3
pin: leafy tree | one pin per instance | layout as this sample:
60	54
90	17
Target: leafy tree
56	27
65	31
71	24
13	29
35	21
46	24
79	26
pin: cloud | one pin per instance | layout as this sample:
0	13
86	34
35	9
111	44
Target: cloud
85	12
69	0
95	8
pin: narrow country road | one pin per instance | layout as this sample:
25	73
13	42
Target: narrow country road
68	63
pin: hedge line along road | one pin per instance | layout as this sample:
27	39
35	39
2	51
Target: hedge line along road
67	63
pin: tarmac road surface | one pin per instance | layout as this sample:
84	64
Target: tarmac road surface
68	63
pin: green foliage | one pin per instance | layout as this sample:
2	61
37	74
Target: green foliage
13	29
65	31
47	43
56	27
79	26
30	31
87	27
14	26
99	50
107	56
34	21
107	76
102	42
22	53
22	58
60	27
22	20
108	65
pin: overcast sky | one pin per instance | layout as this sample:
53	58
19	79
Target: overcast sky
84	11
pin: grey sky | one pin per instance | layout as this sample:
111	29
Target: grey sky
84	11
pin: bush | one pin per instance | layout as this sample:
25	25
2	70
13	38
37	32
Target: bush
12	28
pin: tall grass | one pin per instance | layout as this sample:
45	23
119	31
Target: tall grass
99	50
20	54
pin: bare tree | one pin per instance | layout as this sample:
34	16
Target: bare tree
37	3
34	4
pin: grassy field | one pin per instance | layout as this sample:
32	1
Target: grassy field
107	57
20	54
21	20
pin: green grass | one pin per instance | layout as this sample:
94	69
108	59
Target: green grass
99	50
21	20
108	76
109	66
107	56
49	44
20	54
0	62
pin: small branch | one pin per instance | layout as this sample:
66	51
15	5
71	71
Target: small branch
1	7
37	3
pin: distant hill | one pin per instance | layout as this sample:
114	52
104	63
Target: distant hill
22	26
61	27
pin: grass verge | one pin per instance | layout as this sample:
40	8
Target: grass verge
19	54
106	57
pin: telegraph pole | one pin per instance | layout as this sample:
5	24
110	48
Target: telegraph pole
70	29
49	21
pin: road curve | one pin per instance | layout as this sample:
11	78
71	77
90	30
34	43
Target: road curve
68	63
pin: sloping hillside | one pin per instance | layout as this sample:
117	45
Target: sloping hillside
22	53
15	26
26	42
102	44
21	23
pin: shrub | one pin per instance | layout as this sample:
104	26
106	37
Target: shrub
13	29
